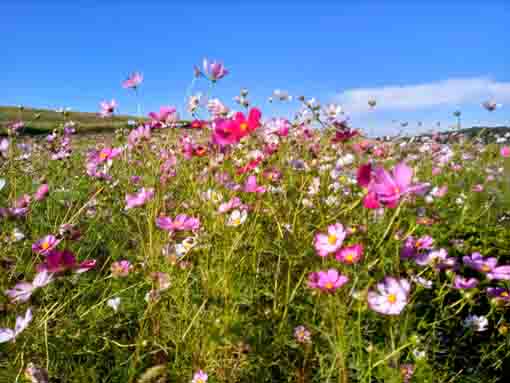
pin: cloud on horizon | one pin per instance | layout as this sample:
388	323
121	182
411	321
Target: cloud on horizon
451	92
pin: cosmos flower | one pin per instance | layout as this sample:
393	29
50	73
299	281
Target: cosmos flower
232	130
44	245
199	377
61	261
231	204
332	241
237	218
22	291
390	297
42	192
390	188
107	108
302	335
214	70
182	222
476	323
121	268
251	186
350	254
327	281
166	115
477	262
505	151
139	199
501	273
462	283
141	133
499	293
7	334
114	303
133	81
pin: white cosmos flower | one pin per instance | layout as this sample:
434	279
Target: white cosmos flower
237	218
114	303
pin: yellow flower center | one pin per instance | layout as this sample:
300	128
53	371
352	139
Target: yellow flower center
45	245
329	285
504	294
349	258
396	190
486	268
103	155
392	298
332	239
236	221
243	126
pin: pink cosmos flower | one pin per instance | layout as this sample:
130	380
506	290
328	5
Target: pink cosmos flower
61	261
133	81
143	132
390	188
477	262
121	268
505	151
166	115
199	377
327	281
214	70
104	155
390	297
233	203
251	186
332	241
22	291
439	192
350	254
44	245
501	273
461	283
182	222
107	108
42	192
7	334
139	199
302	335
232	130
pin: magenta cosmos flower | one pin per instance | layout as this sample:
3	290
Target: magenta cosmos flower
166	115
350	254
214	70
139	199
332	241
182	222
199	377
390	188
62	261
45	244
390	297
133	81
107	108
327	281
505	151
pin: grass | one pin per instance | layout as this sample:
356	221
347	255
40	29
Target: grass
235	298
43	121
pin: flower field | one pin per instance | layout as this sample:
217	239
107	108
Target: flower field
246	247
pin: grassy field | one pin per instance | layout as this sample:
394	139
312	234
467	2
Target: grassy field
252	250
43	121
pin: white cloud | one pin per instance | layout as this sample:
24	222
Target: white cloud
452	92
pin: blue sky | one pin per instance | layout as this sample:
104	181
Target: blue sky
420	60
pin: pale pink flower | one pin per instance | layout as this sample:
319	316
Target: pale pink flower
139	199
7	334
107	108
42	192
332	241
133	80
390	296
